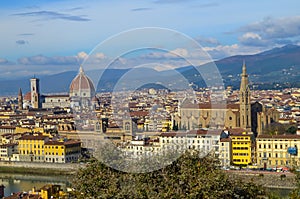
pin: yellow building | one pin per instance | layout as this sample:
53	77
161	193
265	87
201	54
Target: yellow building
31	147
273	150
26	130
51	191
241	148
166	125
62	151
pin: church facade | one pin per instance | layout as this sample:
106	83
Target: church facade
252	117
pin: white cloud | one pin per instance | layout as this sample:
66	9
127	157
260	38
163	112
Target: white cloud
271	31
253	39
204	41
222	51
4	61
251	35
181	52
82	55
176	53
100	56
61	60
44	60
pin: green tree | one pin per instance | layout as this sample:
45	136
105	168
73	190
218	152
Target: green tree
187	177
292	130
295	194
277	128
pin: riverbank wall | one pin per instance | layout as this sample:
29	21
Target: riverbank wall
40	168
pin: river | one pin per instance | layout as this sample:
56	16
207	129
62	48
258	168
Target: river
18	182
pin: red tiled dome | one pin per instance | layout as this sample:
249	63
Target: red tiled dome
81	82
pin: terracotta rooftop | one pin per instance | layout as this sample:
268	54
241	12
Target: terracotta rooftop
225	140
61	95
7	127
69	142
211	106
192	132
287	136
236	131
32	137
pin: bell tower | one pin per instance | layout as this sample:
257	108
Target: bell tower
244	97
35	92
20	100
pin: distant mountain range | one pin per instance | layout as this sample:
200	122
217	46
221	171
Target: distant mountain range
278	65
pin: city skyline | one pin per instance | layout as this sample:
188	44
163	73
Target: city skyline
46	37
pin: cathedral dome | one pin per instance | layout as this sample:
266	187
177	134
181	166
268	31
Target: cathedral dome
27	96
82	86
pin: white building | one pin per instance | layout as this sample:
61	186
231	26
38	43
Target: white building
176	142
7	151
205	141
142	148
225	152
52	101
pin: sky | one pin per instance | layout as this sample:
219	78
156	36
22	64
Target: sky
49	36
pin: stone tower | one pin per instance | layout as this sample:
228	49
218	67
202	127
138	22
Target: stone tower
20	99
244	96
35	92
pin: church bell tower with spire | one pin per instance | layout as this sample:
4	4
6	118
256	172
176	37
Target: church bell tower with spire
35	92
244	96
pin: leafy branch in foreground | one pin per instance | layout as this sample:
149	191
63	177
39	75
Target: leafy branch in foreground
295	194
187	177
